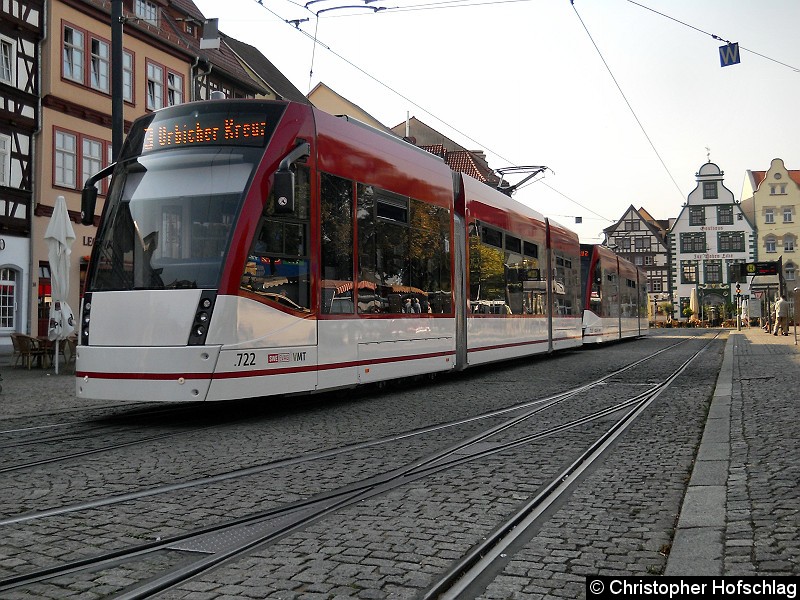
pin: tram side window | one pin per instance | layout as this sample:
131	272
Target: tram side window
596	293
611	296
337	245
403	254
430	258
566	286
277	267
487	282
505	277
630	299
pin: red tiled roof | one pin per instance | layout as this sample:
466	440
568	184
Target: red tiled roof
463	161
437	149
759	176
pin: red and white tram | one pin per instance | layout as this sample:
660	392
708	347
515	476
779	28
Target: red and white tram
251	248
614	295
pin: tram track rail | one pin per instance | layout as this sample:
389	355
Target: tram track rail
262	528
481	558
530	408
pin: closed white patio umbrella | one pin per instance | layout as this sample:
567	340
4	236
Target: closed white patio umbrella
59	237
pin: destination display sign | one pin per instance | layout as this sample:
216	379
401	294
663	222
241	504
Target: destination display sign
207	130
762	268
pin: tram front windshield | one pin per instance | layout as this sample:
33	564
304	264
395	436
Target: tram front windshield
170	218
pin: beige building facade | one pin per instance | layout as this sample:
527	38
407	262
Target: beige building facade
771	200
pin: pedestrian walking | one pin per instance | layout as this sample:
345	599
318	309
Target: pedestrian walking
781	316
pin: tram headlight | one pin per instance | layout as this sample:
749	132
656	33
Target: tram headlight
202	318
85	318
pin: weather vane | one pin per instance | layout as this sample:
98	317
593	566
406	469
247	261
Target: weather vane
708	153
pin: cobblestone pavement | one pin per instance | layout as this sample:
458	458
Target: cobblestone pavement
742	510
620	519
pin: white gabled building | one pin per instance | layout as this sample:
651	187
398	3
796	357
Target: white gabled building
711	234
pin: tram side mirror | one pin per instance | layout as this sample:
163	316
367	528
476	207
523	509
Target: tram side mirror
283	192
88	203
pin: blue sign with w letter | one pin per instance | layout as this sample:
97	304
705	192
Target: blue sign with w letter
729	55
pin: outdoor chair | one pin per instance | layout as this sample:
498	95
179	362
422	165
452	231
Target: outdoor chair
66	350
29	348
17	356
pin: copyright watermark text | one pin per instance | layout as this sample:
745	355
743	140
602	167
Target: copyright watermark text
602	587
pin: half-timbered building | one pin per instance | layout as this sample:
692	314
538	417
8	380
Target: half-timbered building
20	36
641	239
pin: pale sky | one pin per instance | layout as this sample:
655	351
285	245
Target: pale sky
523	81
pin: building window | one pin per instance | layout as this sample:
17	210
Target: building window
625	243
688	271
693	242
127	76
655	285
73	54
769	215
70	168
642	243
787	215
8	299
648	261
725	215
709	190
638	260
731	241
777	189
99	65
155	86
146	11
66	159
632	225
174	89
769	245
5	160
8	60
697	215
92	157
788	272
713	271
788	243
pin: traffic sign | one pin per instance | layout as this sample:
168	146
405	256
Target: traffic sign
729	54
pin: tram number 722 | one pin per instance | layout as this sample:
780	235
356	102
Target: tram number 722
245	359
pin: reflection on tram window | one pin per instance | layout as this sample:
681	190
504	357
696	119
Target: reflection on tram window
403	255
169	220
505	277
277	267
336	233
566	286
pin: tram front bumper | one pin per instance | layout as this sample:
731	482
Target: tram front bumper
166	374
